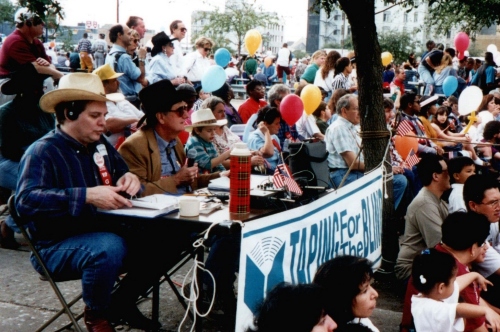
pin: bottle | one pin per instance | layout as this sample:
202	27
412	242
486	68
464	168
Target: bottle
239	179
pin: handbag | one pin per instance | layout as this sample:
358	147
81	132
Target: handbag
308	160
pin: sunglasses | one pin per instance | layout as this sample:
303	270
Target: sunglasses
135	40
207	49
184	29
180	111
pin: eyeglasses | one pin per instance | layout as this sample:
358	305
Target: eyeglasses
184	29
492	204
207	49
171	45
180	111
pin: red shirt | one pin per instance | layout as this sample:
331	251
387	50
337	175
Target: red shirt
471	294
17	51
250	107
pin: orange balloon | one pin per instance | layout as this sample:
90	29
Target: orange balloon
405	144
268	61
52	44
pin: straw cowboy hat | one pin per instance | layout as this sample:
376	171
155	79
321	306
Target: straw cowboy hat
204	117
76	86
105	72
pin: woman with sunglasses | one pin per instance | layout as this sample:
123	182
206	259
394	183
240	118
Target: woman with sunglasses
133	46
161	66
197	62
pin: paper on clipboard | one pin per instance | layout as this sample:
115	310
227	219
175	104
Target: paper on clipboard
148	207
222	183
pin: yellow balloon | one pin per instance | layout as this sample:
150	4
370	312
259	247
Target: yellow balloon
296	85
386	58
311	97
253	38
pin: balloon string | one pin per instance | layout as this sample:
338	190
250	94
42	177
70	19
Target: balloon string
453	141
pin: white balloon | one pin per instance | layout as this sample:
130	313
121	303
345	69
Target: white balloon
466	53
492	48
469	100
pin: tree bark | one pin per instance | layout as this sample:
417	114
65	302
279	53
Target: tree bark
361	16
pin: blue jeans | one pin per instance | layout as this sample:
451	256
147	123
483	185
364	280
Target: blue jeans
8	173
399	183
337	176
95	258
426	76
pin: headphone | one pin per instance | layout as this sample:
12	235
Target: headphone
71	113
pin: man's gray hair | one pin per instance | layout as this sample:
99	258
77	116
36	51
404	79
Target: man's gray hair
275	93
344	102
211	102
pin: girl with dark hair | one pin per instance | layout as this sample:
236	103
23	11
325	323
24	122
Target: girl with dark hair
343	68
488	111
347	284
436	307
298	308
226	94
264	138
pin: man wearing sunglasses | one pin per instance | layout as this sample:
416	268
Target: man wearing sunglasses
178	30
197	62
155	153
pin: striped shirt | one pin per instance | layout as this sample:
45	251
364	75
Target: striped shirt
84	45
339	82
205	152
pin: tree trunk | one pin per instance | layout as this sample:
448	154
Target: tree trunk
361	16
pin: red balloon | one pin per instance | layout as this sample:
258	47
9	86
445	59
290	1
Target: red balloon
461	42
405	144
291	108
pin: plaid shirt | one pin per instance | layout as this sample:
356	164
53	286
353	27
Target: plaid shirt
342	136
55	173
205	152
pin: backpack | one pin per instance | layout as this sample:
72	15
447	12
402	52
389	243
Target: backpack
117	56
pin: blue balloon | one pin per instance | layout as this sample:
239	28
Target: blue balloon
213	79
222	57
450	85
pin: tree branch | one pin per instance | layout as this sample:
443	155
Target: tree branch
396	4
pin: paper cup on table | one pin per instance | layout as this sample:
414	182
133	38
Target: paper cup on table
189	206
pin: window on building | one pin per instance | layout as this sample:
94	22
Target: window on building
387	16
406	17
349	30
336	32
415	17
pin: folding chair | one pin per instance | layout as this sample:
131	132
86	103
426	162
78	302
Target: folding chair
66	305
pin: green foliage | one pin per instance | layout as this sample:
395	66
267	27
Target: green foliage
66	37
299	54
238	19
43	8
7	11
399	44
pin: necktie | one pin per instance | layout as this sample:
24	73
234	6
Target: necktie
169	158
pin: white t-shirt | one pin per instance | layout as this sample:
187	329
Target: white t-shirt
306	125
456	199
440	316
177	58
283	57
122	109
366	322
486	117
326	83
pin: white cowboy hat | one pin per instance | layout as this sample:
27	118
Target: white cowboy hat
77	86
204	117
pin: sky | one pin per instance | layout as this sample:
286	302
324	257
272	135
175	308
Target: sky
158	14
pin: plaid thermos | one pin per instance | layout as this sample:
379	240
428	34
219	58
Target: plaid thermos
239	179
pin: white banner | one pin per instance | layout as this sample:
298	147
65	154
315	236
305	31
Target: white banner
289	246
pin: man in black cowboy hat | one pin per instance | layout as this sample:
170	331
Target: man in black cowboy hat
161	166
24	66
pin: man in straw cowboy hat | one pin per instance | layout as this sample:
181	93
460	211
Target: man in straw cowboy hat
64	178
162	166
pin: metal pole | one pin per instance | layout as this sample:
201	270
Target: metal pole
117	11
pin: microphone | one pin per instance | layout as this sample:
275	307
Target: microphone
191	157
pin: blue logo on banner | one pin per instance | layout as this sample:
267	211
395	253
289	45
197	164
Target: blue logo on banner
264	269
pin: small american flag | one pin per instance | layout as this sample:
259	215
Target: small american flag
412	159
283	178
404	128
